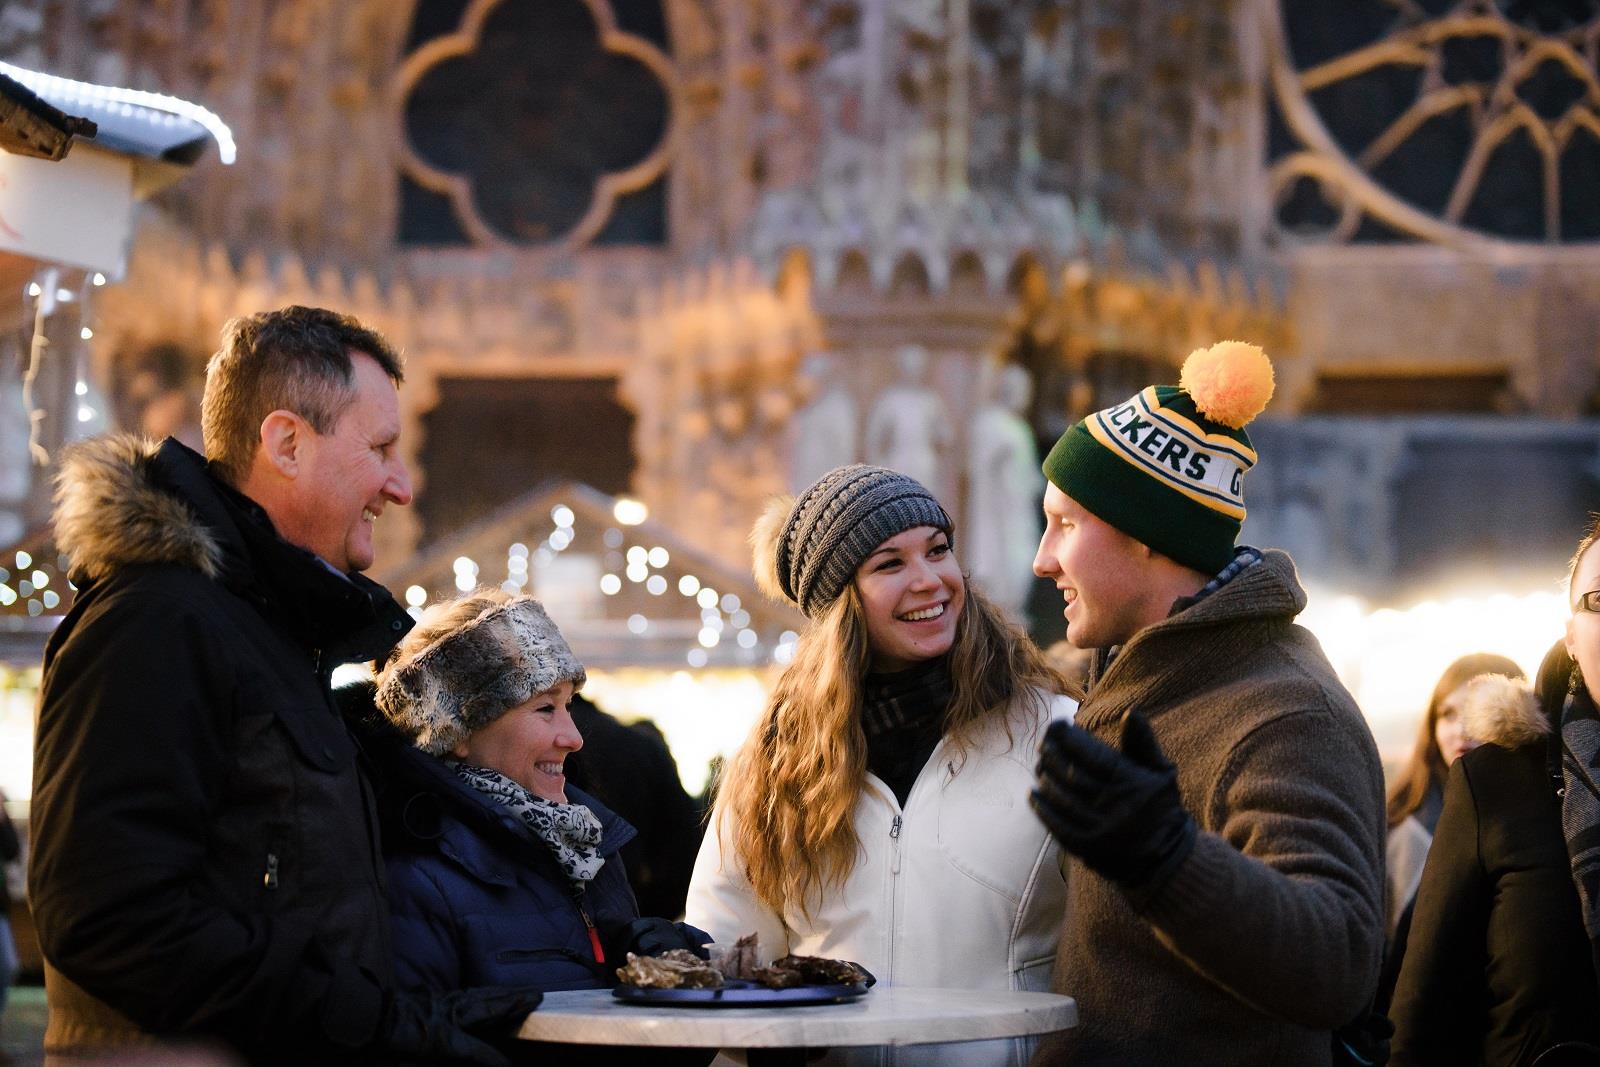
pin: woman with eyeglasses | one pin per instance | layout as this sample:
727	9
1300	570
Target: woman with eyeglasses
1503	961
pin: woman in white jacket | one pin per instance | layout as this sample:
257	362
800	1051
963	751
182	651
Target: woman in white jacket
879	810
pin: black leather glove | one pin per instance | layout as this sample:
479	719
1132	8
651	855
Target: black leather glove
454	1027
650	936
1119	812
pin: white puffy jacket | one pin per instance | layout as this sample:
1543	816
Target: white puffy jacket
961	888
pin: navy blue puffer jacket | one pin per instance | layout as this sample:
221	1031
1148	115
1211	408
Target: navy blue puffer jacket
477	900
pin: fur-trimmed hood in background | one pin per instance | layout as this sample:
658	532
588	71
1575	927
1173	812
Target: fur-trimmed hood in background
112	512
1502	711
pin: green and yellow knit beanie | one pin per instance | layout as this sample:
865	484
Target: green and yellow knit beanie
1167	466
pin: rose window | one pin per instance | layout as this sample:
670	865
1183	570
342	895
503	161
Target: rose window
1445	120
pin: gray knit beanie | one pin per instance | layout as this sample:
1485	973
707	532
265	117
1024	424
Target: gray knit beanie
807	551
468	677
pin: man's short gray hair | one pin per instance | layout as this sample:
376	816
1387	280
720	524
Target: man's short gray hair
295	359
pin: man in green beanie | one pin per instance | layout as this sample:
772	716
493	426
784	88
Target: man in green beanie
1220	796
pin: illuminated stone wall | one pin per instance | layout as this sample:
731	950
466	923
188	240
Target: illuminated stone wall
988	182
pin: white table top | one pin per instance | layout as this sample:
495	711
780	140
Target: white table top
893	1015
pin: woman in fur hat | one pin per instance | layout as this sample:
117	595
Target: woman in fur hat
1501	964
878	811
500	873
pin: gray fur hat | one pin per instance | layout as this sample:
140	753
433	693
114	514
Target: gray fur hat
807	550
466	678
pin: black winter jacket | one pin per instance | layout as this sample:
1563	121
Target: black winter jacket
205	853
1497	968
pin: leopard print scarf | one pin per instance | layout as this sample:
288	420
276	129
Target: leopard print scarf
570	831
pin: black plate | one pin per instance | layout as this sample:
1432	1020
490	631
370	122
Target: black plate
740	993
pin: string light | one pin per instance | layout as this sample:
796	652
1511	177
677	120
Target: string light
629	512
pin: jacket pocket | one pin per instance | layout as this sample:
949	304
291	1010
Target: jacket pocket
1034	976
319	738
986	829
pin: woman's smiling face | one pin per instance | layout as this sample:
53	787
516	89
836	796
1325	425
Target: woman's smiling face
912	592
529	744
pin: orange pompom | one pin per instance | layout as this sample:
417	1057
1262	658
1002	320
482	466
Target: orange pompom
1230	382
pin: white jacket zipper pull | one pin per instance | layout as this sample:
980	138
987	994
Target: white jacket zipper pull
894	829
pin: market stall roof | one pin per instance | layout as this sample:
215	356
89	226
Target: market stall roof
625	590
31	126
164	135
132	121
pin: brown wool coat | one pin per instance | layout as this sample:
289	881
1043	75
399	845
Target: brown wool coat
1269	935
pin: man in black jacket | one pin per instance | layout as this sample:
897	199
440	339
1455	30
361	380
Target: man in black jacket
205	861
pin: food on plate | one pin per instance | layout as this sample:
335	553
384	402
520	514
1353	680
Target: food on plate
791	971
738	963
675	969
740	960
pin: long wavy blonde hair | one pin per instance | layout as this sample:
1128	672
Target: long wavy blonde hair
789	793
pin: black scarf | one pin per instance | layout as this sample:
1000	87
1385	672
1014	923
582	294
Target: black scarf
902	715
1580	802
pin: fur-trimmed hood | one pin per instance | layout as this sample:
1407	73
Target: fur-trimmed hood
1502	711
111	512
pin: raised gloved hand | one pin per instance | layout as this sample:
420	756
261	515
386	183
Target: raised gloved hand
454	1027
1119	812
650	936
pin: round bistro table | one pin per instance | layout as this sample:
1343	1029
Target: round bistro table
892	1015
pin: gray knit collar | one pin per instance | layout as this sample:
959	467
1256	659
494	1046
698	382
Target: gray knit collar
1170	655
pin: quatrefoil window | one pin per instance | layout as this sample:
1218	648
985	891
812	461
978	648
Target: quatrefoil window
1441	119
535	119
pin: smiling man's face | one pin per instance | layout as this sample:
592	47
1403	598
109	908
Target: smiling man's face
350	474
1103	575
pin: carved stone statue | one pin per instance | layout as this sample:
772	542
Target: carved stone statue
825	433
909	430
1004	489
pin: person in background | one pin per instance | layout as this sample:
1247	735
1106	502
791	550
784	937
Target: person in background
631	770
501	872
1220	795
10	849
1502	966
875	811
1418	791
1418	794
204	857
